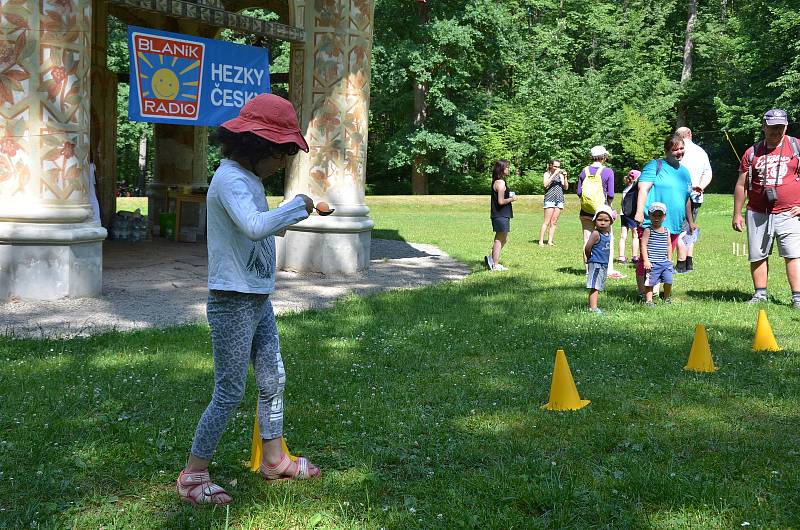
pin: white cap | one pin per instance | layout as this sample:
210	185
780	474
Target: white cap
658	207
605	209
599	150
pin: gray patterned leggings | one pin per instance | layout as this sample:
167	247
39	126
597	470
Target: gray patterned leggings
242	329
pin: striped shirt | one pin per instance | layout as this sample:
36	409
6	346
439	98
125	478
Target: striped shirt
657	246
554	192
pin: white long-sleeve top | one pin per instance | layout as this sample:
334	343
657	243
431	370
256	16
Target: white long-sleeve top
695	159
241	228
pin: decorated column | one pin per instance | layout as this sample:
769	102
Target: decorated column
329	78
49	246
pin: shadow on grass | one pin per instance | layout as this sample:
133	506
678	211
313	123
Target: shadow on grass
575	271
418	403
727	295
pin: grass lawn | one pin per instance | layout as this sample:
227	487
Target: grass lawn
422	407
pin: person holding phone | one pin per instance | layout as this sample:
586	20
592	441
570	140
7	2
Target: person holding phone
555	184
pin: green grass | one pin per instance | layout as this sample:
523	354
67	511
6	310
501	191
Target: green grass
422	407
131	204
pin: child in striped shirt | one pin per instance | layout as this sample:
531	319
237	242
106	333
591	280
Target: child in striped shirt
657	255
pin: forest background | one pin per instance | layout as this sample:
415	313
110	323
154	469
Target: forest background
458	84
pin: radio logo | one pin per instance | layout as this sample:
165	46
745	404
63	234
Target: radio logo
169	76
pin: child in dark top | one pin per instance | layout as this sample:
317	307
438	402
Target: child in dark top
657	255
629	224
597	252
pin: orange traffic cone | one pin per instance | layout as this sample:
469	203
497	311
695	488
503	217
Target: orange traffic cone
563	392
700	359
764	339
256	449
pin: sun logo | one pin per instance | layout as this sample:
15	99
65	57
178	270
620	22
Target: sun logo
168	73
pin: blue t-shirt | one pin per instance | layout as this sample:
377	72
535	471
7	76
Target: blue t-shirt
601	250
672	187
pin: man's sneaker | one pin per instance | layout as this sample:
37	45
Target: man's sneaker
487	260
499	267
796	304
666	300
757	299
649	304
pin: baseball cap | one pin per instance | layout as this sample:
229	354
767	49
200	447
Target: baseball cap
658	207
271	117
776	117
599	150
605	209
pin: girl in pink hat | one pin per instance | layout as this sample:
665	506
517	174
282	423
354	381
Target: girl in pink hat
628	224
241	276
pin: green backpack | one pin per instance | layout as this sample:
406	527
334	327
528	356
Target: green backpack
593	196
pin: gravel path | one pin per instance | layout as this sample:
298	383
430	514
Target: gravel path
160	284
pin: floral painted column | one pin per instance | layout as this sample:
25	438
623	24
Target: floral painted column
49	246
330	75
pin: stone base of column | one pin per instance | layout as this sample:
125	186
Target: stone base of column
47	262
330	245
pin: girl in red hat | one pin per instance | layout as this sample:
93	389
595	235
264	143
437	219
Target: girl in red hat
241	276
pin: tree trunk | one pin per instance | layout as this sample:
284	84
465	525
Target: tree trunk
419	179
688	50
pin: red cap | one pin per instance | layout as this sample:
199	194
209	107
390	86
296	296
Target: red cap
271	117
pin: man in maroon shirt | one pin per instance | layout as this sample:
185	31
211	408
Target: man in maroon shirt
769	176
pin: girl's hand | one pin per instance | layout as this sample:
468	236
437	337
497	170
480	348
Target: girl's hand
308	201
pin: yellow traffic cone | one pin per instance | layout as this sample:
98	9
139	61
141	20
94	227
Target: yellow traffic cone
563	392
256	449
764	339
700	359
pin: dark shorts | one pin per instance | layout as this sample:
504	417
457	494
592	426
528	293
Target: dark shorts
673	242
628	222
661	273
695	206
501	224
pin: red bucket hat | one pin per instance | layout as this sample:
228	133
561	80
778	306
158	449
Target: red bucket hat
271	117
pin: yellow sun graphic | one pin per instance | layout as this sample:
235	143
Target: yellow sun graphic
165	84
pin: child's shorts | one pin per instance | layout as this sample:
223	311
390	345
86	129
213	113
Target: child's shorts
661	273
628	222
596	276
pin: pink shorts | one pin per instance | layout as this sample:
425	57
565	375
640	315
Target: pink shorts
673	242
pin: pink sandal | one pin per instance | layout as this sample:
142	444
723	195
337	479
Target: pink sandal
301	469
196	488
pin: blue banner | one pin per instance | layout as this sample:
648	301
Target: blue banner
189	80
